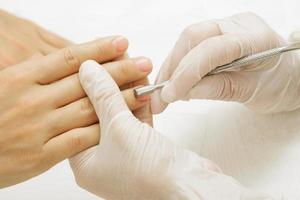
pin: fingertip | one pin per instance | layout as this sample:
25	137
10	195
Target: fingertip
120	43
144	65
294	36
88	67
157	104
86	64
167	93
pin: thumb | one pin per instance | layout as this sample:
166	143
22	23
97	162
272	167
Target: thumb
102	90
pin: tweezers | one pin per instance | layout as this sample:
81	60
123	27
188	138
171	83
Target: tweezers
236	65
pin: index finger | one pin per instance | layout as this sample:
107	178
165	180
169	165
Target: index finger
191	36
67	61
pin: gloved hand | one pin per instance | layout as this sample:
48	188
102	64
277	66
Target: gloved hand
133	161
268	86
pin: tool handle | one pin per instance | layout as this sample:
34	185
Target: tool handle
236	64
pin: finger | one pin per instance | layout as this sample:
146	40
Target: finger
132	102
129	70
53	39
81	113
134	84
227	86
46	49
122	57
143	100
122	72
67	61
158	105
5	61
202	59
144	114
103	92
51	42
71	143
64	91
75	115
36	56
190	38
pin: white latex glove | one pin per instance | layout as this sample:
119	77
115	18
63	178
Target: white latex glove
268	86
133	161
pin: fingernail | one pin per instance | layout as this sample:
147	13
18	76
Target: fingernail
120	43
144	98
144	65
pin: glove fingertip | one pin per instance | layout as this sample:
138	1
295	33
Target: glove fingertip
168	94
157	104
87	71
294	36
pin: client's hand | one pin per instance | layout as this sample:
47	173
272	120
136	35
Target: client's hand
45	115
134	161
21	39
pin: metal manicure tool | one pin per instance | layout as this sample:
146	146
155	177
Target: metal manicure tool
236	65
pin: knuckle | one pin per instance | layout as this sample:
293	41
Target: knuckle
76	142
223	49
124	68
72	61
214	41
86	106
197	33
227	89
102	47
189	32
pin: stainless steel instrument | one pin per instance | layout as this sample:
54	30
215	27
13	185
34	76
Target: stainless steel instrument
236	65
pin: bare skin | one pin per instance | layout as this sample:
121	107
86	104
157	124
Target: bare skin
45	114
21	39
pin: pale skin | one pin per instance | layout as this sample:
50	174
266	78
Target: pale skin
45	114
21	39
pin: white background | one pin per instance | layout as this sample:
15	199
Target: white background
262	152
